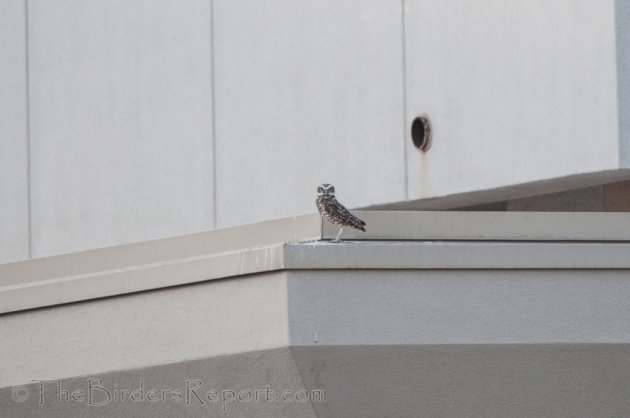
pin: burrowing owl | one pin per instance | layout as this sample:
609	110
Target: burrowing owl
334	212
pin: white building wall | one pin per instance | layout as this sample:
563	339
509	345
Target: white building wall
121	117
518	91
622	23
14	210
307	93
130	100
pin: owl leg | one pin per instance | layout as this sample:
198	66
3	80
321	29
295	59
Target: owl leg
338	235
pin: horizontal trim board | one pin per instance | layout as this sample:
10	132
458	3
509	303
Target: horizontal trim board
395	240
162	250
488	226
457	255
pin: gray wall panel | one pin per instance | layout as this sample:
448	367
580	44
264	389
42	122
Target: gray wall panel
459	307
14	233
622	20
121	121
518	91
307	93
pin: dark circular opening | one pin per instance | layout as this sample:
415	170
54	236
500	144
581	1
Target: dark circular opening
421	132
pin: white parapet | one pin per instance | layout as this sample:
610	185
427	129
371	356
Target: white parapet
395	240
501	304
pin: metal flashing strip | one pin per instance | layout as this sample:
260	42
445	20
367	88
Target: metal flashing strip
395	240
470	255
489	226
138	278
205	243
208	255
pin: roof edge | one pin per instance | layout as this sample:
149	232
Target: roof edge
395	240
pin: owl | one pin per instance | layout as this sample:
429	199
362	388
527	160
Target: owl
334	212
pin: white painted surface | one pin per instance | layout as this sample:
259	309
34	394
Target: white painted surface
432	255
145	329
518	91
354	307
307	93
179	249
13	133
396	240
63	290
487	226
622	21
522	95
121	121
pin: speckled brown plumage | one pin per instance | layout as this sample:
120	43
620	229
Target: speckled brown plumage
334	212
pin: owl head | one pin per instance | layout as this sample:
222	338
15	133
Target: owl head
326	190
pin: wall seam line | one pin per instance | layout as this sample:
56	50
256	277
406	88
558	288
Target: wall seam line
28	131
214	118
404	95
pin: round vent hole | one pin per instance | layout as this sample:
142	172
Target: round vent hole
421	132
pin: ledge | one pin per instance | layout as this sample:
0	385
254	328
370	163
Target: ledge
395	240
